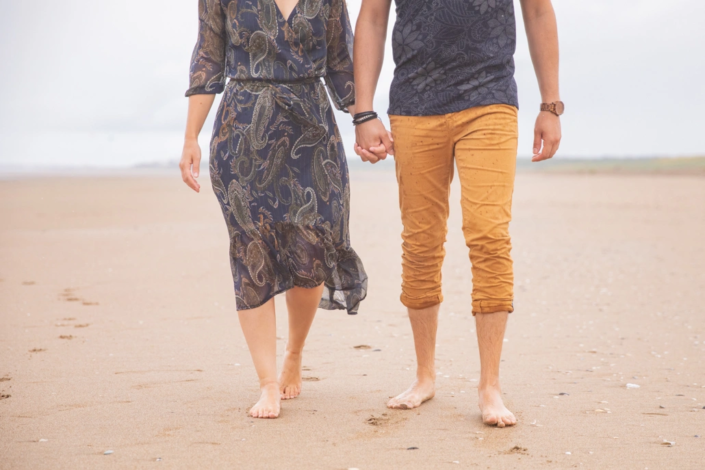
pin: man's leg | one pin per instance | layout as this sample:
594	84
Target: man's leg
424	324
485	153
424	164
490	336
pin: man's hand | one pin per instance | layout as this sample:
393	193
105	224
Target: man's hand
190	164
372	141
548	130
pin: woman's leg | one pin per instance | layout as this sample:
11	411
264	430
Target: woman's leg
302	305
259	328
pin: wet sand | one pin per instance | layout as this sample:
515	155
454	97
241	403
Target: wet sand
118	333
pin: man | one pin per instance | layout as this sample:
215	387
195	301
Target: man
454	99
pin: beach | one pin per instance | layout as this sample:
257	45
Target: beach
120	345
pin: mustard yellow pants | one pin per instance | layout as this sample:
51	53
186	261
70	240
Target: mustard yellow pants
482	141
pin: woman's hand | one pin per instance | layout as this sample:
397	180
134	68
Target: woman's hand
198	107
190	164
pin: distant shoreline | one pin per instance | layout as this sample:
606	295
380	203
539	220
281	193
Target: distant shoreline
693	166
645	165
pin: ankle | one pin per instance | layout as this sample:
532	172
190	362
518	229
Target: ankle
268	384
292	351
487	385
426	376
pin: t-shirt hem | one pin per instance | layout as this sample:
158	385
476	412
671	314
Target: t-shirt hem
449	109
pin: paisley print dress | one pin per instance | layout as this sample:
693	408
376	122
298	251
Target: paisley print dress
277	162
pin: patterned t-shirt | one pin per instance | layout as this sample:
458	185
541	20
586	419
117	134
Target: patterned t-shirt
452	55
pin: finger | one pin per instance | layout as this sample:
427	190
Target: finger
370	156
556	144
380	151
537	143
551	149
545	152
187	177
388	143
193	184
356	148
196	166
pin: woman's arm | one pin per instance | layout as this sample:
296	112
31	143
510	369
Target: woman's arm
198	108
542	34
339	67
206	79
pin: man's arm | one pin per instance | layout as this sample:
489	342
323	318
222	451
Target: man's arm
372	139
542	33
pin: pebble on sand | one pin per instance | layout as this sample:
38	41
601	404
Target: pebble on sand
632	386
107	452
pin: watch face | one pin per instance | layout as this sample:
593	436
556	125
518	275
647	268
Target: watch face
560	107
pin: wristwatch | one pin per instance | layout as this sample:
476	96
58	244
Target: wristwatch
557	107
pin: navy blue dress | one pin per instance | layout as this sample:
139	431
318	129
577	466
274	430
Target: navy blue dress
277	162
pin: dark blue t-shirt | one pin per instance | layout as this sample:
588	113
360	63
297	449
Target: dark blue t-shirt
452	55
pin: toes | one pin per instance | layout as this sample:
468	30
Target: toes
509	420
490	420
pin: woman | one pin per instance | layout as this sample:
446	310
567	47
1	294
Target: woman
278	167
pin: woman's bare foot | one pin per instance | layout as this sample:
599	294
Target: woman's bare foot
494	413
268	405
419	392
290	378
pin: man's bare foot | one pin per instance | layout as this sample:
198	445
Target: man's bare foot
494	413
419	392
290	378
268	405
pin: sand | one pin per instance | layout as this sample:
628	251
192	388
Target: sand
118	333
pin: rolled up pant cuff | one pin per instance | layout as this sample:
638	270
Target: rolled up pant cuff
492	306
421	302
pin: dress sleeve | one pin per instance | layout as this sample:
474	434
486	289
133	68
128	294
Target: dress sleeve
339	68
207	74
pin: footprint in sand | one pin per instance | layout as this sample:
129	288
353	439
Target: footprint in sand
36	350
66	337
4	396
69	295
378	420
310	379
28	283
83	325
385	419
516	450
362	346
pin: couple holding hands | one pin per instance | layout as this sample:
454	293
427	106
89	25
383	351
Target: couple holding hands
278	165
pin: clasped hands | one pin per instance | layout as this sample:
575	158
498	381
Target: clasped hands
373	142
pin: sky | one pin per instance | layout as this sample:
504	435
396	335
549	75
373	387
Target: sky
89	83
